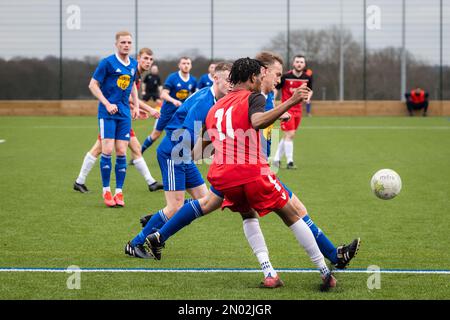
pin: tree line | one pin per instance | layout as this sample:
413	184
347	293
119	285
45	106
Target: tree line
31	78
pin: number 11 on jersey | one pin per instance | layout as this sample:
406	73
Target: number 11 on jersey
229	125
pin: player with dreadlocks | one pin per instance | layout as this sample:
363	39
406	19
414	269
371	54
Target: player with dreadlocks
240	172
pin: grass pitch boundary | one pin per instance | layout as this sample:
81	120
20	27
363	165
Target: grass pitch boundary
72	269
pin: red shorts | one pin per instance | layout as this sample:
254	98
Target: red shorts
265	195
293	123
132	135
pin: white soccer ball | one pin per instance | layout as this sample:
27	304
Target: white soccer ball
386	184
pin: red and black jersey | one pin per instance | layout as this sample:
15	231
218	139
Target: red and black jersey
290	82
138	80
237	153
416	98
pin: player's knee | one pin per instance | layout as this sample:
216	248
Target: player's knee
171	209
96	152
208	205
121	149
135	151
107	149
155	134
299	206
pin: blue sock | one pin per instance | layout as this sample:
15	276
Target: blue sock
121	170
147	143
155	223
308	107
325	245
105	169
187	213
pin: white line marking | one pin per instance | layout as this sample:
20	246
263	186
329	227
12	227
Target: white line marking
151	270
2	140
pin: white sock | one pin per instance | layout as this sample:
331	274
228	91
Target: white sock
289	147
142	167
306	238
118	190
280	151
88	164
256	240
105	189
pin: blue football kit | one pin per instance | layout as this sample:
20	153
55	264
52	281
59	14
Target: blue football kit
178	89
174	152
116	81
205	81
201	102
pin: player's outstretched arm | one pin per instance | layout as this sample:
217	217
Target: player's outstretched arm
262	120
151	111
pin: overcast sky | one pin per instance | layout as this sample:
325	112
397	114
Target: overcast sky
241	27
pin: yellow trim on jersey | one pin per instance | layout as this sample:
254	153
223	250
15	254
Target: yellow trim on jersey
267	132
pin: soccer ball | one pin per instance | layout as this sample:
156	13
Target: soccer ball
386	184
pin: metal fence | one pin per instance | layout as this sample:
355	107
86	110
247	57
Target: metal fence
357	49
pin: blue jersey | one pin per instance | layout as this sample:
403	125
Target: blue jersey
205	81
116	81
266	140
178	88
190	116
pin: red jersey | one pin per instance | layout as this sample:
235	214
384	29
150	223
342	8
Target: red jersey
290	82
237	158
417	98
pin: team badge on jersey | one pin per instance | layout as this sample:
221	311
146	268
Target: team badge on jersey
182	94
123	81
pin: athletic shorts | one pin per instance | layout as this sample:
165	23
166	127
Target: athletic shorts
132	135
287	189
178	176
117	129
220	194
266	194
292	124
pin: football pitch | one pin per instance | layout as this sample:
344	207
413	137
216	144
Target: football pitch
46	226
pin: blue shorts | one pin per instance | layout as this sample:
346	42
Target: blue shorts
166	115
117	129
216	192
178	177
287	189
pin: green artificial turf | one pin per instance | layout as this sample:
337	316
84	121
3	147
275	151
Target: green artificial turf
44	223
